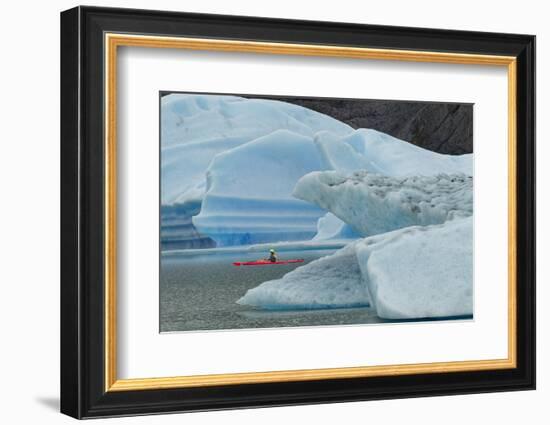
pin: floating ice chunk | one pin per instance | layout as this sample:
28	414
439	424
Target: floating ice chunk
420	272
373	203
329	282
412	273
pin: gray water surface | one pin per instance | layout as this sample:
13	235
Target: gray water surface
199	292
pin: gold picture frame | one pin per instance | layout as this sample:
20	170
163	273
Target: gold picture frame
114	41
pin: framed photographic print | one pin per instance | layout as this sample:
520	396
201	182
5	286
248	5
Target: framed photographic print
261	212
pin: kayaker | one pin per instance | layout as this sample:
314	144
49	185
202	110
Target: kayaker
273	256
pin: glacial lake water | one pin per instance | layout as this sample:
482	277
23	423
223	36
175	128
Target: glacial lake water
199	292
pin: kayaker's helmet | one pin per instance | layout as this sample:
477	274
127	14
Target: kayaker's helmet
272	251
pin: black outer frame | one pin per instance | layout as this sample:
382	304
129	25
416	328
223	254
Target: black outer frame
82	219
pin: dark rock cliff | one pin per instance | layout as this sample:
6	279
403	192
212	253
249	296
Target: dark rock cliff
440	127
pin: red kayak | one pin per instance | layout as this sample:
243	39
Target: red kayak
266	262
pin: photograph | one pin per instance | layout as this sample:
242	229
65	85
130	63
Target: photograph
284	210
280	211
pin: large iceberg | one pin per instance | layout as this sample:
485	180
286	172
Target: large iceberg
195	128
377	152
249	192
373	203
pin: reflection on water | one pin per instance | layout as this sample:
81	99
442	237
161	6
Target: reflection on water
199	292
